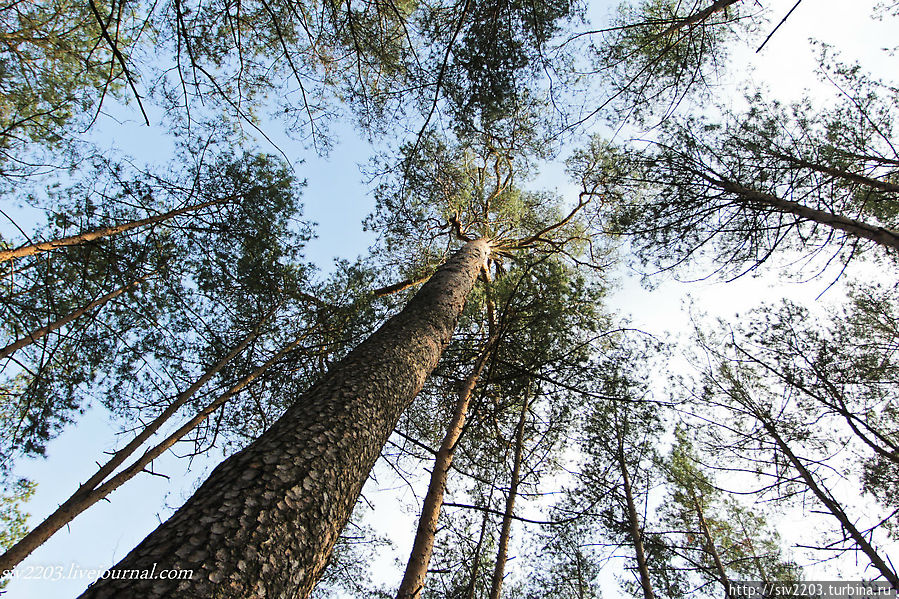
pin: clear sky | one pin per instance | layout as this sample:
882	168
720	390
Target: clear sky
337	201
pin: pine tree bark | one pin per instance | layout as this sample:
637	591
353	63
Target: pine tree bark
417	566
265	521
81	238
634	528
499	569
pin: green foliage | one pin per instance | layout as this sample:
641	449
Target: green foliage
715	525
55	67
808	406
208	276
713	194
657	52
501	49
563	567
12	519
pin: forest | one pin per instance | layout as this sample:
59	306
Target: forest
500	366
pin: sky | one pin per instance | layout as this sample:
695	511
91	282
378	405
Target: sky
337	201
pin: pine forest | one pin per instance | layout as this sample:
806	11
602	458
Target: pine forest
448	299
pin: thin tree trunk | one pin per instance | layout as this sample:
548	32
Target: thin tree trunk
401	286
265	521
46	246
710	543
476	562
881	235
417	566
756	560
499	569
840	173
87	493
634	528
58	324
700	16
832	506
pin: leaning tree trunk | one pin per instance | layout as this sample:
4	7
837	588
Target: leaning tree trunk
33	336
880	235
835	509
634	529
710	545
88	236
264	523
417	566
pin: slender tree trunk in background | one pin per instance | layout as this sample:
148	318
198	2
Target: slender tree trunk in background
88	492
881	235
53	326
710	544
499	569
700	16
46	246
756	560
476	562
831	504
417	566
265	521
634	528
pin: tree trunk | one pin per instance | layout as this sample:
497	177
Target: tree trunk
699	17
634	528
88	492
499	569
46	246
265	521
881	235
710	545
58	324
476	562
423	546
840	173
832	506
756	560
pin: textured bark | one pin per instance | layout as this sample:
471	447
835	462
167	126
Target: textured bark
832	506
58	324
417	566
265	521
88	493
634	528
81	238
881	235
499	569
